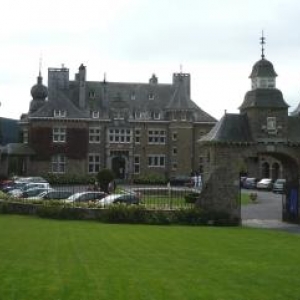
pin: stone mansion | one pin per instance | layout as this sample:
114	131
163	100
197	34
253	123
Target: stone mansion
136	129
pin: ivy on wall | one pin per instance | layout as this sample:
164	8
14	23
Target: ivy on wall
76	146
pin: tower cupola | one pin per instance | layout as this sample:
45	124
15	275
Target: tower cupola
263	75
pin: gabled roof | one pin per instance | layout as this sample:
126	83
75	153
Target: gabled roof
232	128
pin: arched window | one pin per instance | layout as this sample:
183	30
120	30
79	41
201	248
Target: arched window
265	170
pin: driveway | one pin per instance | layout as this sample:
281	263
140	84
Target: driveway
266	213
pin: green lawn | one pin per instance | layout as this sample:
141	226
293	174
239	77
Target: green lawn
82	260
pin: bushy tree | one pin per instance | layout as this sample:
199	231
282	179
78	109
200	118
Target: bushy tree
104	177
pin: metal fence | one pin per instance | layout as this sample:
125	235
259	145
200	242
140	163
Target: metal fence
150	196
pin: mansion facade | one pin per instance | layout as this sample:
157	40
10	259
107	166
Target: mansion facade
135	129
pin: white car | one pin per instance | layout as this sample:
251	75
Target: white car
265	184
85	196
118	199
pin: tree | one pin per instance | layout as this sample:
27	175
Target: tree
104	177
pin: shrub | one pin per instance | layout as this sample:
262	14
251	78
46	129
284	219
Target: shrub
124	214
104	177
191	197
69	178
150	179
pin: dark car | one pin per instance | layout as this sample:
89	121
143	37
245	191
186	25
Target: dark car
250	183
180	180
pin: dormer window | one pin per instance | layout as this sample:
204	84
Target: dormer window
92	94
132	96
118	115
95	114
151	96
156	115
60	113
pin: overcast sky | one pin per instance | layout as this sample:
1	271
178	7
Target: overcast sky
216	41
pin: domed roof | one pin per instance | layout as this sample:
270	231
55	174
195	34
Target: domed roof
39	91
263	68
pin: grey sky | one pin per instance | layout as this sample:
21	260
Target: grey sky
217	41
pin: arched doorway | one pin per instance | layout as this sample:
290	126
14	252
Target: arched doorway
275	171
118	167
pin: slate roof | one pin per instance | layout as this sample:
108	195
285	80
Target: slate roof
264	98
293	129
9	129
232	128
60	102
134	97
263	68
17	149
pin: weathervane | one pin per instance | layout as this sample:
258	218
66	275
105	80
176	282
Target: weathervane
262	42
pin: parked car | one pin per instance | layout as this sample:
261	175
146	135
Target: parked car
279	185
119	198
86	196
33	192
52	195
265	184
250	183
180	180
22	187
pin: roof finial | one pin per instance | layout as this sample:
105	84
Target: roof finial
40	65
181	68
104	78
262	42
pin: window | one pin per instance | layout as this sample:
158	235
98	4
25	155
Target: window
136	164
271	123
59	134
120	135
25	136
137	136
94	134
151	96
58	163
156	161
137	115
156	115
119	115
94	163
174	165
157	136
132	96
60	113
95	114
174	151
183	116
174	136
92	94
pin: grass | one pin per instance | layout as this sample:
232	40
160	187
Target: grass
50	259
